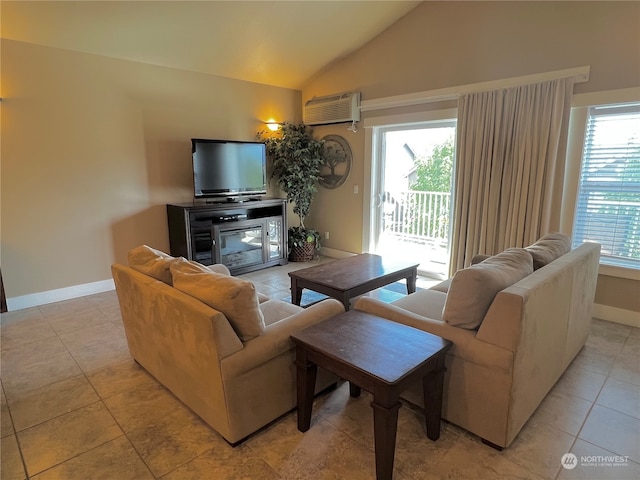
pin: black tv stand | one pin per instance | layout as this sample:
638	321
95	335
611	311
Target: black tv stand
244	199
245	234
226	200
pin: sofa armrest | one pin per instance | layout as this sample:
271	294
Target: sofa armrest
276	338
502	323
465	343
397	314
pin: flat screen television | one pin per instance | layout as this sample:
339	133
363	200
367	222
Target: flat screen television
227	168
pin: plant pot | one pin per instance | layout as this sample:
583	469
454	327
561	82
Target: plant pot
304	253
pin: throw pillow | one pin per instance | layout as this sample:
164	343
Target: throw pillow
235	298
479	257
192	266
151	262
473	288
548	248
189	266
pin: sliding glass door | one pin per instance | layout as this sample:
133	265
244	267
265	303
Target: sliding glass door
412	170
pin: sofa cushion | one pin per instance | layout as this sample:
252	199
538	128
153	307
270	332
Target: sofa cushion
275	310
548	248
473	288
235	298
151	262
427	303
442	286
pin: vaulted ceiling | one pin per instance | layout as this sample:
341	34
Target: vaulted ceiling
280	43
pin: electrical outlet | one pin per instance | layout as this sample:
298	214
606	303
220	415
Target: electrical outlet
356	189
326	235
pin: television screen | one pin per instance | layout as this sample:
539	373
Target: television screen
228	168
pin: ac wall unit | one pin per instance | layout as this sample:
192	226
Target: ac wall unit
340	108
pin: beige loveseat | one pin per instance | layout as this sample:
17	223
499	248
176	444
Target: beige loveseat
499	372
234	369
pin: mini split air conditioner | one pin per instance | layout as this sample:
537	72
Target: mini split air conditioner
340	108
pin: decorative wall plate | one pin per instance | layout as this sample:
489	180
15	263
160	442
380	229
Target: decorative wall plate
338	158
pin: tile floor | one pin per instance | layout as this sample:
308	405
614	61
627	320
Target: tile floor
76	406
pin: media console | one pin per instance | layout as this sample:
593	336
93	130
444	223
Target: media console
244	236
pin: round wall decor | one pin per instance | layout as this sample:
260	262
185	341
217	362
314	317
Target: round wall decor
337	165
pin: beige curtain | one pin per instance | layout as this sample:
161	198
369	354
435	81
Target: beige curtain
510	153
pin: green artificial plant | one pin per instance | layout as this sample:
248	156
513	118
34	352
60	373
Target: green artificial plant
296	157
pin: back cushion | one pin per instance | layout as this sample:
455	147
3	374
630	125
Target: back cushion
473	288
151	262
479	257
548	248
235	298
189	266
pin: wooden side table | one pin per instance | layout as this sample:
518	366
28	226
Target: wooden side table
381	356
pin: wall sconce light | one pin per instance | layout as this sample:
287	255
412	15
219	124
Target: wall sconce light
272	125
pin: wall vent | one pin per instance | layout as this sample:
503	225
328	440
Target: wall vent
340	108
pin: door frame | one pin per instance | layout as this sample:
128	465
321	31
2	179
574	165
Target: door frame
372	173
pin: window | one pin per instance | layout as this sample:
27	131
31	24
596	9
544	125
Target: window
608	206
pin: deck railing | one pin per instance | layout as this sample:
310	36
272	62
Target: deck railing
417	216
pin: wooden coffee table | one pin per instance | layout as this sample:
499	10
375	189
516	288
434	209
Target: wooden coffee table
381	356
352	276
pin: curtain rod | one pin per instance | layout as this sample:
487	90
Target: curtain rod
579	74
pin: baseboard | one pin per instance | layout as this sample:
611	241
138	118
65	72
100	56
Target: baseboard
616	315
51	296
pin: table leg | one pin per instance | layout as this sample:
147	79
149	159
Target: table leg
354	390
305	383
411	281
296	292
385	424
346	301
432	385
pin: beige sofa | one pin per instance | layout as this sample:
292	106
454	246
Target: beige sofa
499	372
236	386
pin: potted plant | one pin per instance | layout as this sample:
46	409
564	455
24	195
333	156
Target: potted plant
296	157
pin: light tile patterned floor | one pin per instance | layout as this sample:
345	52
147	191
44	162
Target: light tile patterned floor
76	406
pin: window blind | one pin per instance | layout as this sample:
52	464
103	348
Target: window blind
608	207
